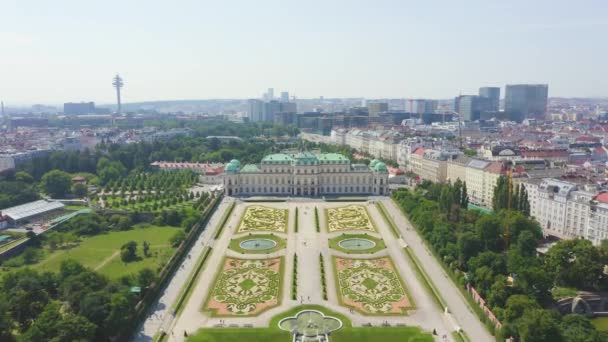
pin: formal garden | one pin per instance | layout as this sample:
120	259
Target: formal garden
371	286
246	287
260	218
351	217
345	333
356	243
257	244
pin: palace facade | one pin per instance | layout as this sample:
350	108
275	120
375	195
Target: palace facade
305	174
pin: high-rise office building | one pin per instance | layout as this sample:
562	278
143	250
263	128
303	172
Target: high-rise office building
471	107
256	110
374	108
270	109
526	101
82	108
269	95
420	106
493	94
284	96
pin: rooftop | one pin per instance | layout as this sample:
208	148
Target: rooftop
31	209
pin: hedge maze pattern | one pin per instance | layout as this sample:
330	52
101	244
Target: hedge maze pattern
260	218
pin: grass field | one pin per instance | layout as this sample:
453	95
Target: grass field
102	252
600	323
347	333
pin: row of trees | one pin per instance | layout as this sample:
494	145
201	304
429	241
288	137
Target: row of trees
510	197
496	253
152	181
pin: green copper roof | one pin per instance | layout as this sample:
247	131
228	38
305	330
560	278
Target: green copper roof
250	168
306	158
234	161
232	167
277	158
380	167
332	158
373	163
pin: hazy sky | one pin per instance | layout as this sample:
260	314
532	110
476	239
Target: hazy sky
68	50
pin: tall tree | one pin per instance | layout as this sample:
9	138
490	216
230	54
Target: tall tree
56	183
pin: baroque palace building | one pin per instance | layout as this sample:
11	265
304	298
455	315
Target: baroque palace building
305	174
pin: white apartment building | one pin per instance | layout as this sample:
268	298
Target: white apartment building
481	177
567	210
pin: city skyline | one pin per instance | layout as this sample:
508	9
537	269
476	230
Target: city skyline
434	50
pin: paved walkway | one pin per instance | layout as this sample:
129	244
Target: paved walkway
457	304
160	315
308	244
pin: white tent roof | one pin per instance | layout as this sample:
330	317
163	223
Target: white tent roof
31	209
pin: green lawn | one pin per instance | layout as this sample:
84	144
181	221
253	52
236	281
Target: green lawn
102	252
346	334
600	323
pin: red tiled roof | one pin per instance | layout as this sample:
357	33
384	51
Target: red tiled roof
419	151
395	171
602	197
495	167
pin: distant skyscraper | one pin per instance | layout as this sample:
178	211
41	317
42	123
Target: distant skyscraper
284	96
470	107
493	94
2	105
269	95
420	106
526	101
118	83
270	109
81	108
374	108
256	110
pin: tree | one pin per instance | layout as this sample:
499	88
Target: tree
487	228
128	251
146	248
177	238
146	277
80	190
468	246
22	176
56	183
539	325
5	322
576	263
464	198
578	328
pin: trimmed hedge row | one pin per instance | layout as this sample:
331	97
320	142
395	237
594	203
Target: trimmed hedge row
317	220
323	283
296	219
294	284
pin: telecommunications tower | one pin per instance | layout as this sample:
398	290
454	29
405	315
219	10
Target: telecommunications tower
117	83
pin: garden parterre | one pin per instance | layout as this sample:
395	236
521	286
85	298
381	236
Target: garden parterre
246	287
262	218
371	286
351	217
